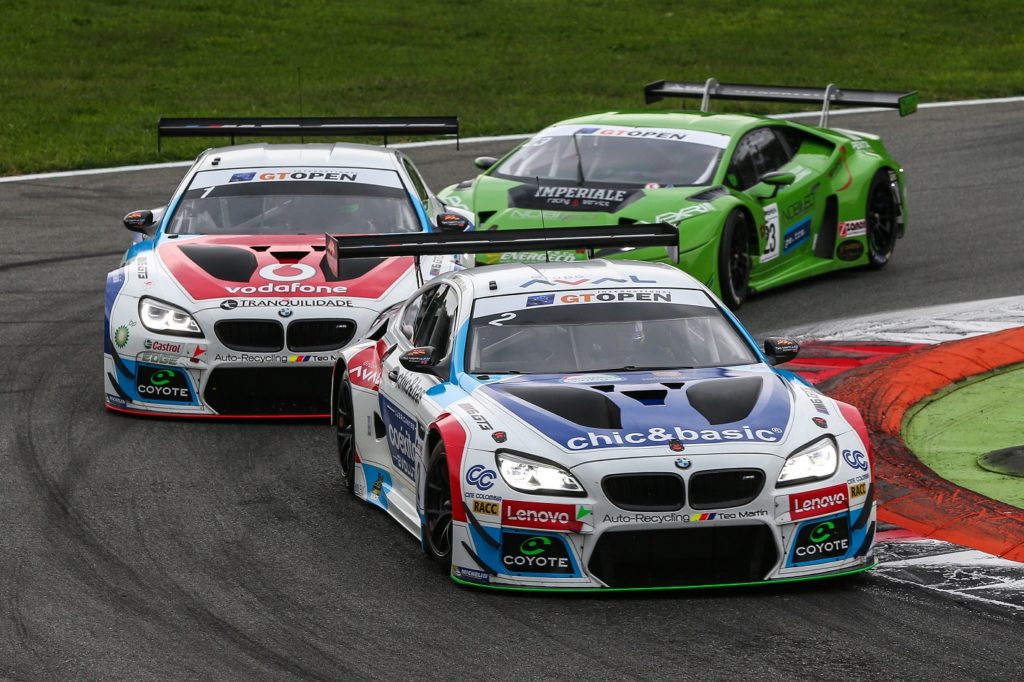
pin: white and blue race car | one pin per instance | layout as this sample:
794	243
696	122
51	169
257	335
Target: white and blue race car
599	424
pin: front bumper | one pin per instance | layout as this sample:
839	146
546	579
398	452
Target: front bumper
541	542
150	373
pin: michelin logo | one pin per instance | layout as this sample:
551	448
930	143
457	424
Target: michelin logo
656	435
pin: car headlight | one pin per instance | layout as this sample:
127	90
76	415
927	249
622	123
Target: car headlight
816	461
532	476
165	318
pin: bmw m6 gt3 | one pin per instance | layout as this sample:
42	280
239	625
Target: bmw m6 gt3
598	424
224	306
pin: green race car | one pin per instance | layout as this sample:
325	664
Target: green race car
759	202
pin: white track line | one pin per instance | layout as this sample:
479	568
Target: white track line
500	138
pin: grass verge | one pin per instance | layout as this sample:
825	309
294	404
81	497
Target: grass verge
82	84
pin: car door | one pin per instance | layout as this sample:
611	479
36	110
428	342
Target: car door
793	214
428	320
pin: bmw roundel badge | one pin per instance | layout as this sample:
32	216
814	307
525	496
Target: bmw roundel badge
285	312
682	463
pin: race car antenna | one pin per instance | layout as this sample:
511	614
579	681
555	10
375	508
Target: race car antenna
298	78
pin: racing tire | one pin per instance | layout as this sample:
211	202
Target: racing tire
437	510
345	433
881	215
734	260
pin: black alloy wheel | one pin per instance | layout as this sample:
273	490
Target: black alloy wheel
437	508
345	432
882	215
734	260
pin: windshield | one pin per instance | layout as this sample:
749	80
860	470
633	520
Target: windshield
649	157
294	201
595	330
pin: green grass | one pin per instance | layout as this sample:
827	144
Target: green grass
83	83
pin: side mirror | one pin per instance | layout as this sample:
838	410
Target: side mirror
484	162
451	222
139	221
779	349
420	359
777	179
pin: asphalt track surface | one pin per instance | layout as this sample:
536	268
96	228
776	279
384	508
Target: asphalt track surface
139	548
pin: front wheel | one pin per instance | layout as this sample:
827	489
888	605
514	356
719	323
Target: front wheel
345	433
437	509
734	260
882	217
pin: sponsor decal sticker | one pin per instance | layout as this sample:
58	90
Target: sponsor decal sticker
121	335
681	517
401	435
471	574
577	281
590	379
162	384
858	490
856	459
543	515
540	299
682	214
657	434
535	554
796	235
232	304
823	540
853	228
486	507
481	477
819	502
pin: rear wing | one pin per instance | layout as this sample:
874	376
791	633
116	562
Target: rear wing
546	239
906	102
308	127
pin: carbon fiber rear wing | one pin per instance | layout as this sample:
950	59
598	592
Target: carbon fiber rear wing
546	239
308	127
905	102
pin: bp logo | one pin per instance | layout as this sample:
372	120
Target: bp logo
121	336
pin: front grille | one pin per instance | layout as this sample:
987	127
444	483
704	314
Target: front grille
725	488
319	335
713	555
251	335
269	390
645	492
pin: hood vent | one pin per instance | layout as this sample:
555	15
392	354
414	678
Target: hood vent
725	401
289	257
227	263
577	405
647	397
